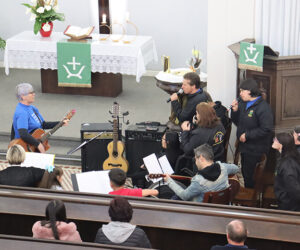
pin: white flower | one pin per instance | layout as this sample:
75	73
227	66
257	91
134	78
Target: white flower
56	8
47	7
32	17
34	2
40	10
46	27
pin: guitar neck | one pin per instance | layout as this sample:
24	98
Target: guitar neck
176	177
51	132
115	135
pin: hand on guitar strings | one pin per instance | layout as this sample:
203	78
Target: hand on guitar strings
41	148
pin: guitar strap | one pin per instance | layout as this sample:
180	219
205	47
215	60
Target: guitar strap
38	117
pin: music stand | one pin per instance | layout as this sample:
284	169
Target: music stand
84	143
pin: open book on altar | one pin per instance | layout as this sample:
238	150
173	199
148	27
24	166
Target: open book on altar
78	33
157	166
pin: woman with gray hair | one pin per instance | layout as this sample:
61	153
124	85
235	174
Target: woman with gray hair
27	118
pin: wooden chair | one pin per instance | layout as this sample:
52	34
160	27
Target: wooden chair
218	197
252	197
235	187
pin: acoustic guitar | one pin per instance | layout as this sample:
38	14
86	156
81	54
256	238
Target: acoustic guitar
115	148
41	135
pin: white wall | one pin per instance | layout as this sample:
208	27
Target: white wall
175	25
229	21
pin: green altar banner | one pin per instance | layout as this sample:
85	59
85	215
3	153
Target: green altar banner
251	56
74	64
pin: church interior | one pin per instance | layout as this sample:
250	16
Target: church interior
117	81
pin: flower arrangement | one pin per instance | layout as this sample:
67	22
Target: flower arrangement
195	60
43	12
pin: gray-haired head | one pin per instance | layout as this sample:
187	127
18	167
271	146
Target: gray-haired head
205	151
236	231
23	89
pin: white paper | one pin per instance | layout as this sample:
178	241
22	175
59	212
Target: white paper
94	182
152	165
165	165
38	160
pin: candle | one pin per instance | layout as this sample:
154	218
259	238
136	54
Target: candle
104	18
127	16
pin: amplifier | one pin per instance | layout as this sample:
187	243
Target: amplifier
141	141
95	152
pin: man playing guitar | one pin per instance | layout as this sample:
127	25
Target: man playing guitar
27	118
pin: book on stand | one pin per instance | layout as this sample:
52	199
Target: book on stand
78	33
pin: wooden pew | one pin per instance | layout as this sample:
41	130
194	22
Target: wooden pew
9	242
168	224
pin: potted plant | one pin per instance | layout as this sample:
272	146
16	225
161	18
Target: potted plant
44	12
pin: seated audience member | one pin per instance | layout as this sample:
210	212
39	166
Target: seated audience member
287	180
119	231
211	176
15	175
209	130
55	226
236	233
297	137
117	181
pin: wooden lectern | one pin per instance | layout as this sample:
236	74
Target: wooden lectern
281	80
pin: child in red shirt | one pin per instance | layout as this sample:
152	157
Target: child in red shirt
117	180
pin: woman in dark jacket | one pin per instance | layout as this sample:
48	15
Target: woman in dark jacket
15	175
119	231
287	180
209	130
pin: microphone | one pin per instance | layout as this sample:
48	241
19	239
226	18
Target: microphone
180	91
238	100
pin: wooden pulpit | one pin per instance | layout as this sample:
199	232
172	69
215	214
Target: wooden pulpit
281	80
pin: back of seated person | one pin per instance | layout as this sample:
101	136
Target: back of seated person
55	226
236	233
117	181
119	231
15	175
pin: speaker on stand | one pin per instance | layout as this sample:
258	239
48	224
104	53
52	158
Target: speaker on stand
95	152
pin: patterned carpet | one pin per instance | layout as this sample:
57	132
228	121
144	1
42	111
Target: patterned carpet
66	178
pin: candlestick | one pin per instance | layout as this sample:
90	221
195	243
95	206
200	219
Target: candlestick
104	18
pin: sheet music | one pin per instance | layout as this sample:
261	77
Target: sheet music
38	160
153	166
165	165
94	182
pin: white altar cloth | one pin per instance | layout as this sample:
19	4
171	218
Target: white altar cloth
29	51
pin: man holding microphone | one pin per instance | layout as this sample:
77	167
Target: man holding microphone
254	120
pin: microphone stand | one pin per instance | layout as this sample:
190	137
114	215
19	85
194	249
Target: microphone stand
84	143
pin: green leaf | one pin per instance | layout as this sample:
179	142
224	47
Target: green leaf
37	26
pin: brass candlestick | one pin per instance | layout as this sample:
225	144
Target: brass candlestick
104	38
136	32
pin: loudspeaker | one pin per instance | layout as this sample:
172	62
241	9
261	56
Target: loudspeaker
95	152
141	141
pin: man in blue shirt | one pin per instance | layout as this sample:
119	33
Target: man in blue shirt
27	118
236	233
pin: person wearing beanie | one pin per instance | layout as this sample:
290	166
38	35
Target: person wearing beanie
254	120
297	137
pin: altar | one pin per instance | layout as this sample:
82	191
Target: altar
109	61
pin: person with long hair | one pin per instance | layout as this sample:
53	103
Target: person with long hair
15	175
209	130
120	231
287	180
56	226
